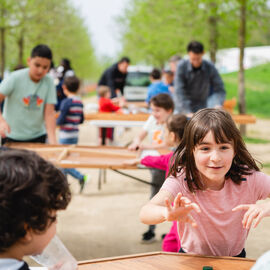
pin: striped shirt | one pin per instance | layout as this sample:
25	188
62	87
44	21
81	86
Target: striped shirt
71	115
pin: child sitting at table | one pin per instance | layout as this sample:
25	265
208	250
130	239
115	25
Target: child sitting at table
162	107
71	115
174	130
214	185
32	191
106	105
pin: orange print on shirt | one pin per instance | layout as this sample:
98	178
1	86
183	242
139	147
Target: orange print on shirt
26	101
39	101
157	137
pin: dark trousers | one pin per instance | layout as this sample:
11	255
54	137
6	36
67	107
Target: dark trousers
158	178
241	255
106	133
40	139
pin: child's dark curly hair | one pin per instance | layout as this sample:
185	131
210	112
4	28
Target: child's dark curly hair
30	190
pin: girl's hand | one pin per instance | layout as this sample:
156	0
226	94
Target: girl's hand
134	161
134	146
254	213
181	209
143	146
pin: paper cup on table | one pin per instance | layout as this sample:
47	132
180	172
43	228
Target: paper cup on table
56	256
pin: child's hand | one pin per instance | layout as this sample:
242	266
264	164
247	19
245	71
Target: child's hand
4	128
132	161
134	146
254	213
181	209
143	146
122	102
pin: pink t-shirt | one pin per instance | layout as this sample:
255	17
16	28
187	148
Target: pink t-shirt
220	231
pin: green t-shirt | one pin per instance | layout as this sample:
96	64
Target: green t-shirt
25	102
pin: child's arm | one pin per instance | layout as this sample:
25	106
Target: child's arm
82	118
159	209
137	141
134	161
50	122
64	108
4	127
153	146
158	162
112	107
254	213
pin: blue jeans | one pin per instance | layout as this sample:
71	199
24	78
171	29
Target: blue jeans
71	171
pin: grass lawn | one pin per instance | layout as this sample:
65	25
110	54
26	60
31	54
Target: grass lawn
257	81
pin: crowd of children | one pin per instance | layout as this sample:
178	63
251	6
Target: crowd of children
207	185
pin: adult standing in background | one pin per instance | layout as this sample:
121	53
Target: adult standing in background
115	77
194	78
64	70
173	61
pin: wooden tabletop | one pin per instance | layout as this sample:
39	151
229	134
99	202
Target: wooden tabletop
74	156
83	156
238	118
167	261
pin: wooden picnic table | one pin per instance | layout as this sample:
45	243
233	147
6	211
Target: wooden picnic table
238	118
166	261
75	156
78	156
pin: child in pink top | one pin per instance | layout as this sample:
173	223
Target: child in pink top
173	133
214	185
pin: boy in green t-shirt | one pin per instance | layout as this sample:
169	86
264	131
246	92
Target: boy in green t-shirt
30	96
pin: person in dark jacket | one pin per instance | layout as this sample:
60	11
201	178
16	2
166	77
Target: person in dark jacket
115	77
193	80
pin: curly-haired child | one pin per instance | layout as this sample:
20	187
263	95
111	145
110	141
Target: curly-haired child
32	191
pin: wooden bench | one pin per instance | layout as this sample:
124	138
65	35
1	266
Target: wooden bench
243	119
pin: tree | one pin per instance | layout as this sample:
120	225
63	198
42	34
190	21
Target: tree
154	30
7	22
52	22
241	75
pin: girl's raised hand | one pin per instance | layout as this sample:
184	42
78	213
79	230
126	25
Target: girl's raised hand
180	209
254	213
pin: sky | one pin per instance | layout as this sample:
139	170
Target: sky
99	17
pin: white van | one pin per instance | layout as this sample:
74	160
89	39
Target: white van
137	82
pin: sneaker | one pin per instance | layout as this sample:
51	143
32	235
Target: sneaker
148	237
84	181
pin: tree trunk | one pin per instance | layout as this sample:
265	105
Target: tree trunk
21	48
241	74
213	31
3	53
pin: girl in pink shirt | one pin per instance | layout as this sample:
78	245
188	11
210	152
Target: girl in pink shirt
214	185
173	133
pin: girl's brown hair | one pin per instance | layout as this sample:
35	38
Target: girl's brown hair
176	123
225	131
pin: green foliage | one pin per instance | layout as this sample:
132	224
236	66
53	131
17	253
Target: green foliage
55	23
153	30
255	140
266	165
257	82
